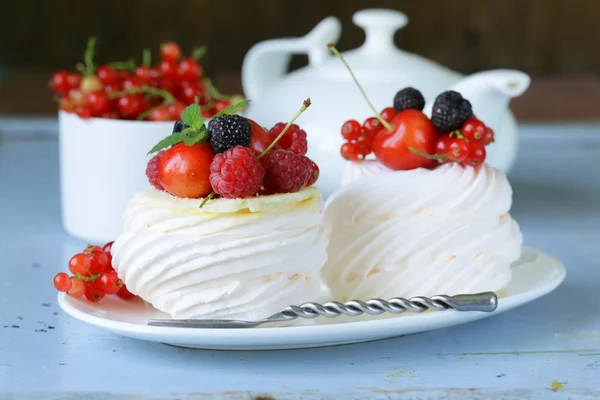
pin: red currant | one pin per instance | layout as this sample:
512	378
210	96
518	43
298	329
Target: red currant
188	93
77	98
458	149
80	264
74	80
110	115
99	261
160	113
131	105
371	127
144	74
388	113
84	112
442	145
175	110
113	87
476	155
90	83
109	282
59	82
364	145
62	282
473	129
107	74
99	103
314	174
351	130
77	288
488	136
168	69
170	51
350	151
131	82
220	105
107	249
208	112
125	294
93	294
189	70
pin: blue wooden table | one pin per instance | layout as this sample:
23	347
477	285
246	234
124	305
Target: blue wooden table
547	349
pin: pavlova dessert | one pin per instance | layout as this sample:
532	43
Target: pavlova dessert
419	213
232	226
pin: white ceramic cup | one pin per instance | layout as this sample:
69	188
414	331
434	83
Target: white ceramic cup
102	165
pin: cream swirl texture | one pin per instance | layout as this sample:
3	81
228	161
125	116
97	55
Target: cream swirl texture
420	232
234	258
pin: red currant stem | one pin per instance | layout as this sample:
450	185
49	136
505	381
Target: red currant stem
147	113
90	278
335	51
305	105
88	56
168	97
213	91
146	57
128	65
199	52
457	134
429	156
207	198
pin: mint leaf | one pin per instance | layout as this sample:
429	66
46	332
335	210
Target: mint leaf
233	108
170	140
190	140
189	131
192	115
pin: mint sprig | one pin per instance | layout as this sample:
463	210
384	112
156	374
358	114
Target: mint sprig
233	108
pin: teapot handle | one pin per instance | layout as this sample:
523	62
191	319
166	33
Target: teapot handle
267	62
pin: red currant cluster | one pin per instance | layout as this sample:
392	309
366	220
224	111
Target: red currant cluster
234	157
466	145
93	275
124	90
359	138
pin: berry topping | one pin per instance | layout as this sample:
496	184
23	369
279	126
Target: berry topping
371	127
450	111
236	173
109	282
79	264
288	172
228	131
476	155
260	138
364	146
388	114
77	287
62	282
314	174
350	151
125	294
473	129
409	98
152	170
99	260
93	294
458	149
184	170
488	136
179	126
293	140
170	51
351	130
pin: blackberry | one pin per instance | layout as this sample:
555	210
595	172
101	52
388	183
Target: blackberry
228	131
179	126
450	111
409	98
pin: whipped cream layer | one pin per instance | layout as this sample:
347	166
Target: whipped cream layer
234	258
420	232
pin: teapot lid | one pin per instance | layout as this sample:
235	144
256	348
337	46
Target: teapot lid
378	59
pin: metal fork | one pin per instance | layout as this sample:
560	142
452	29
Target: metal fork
483	302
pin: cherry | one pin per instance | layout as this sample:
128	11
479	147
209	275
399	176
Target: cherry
109	282
77	288
131	105
371	126
388	113
170	51
314	174
168	69
93	294
476	156
364	145
99	260
80	264
144	74
473	129
260	139
189	70
458	149
59	82
350	151
84	112
107	74
184	170
351	130
125	294
488	136
98	102
62	282
411	129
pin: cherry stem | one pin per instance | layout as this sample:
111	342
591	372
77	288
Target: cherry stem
305	105
168	97
146	57
437	157
207	198
88	56
335	51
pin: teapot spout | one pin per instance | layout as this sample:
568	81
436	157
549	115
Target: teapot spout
490	92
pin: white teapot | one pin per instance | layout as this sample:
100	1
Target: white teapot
382	70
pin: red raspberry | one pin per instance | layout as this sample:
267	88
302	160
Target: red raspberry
152	171
288	172
293	140
236	173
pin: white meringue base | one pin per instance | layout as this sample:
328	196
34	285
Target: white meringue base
232	259
420	232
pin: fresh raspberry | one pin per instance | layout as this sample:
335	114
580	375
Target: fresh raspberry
152	171
236	173
293	140
288	172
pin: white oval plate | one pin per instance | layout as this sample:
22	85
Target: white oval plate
534	275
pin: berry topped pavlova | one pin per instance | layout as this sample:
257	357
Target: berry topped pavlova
419	213
232	226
